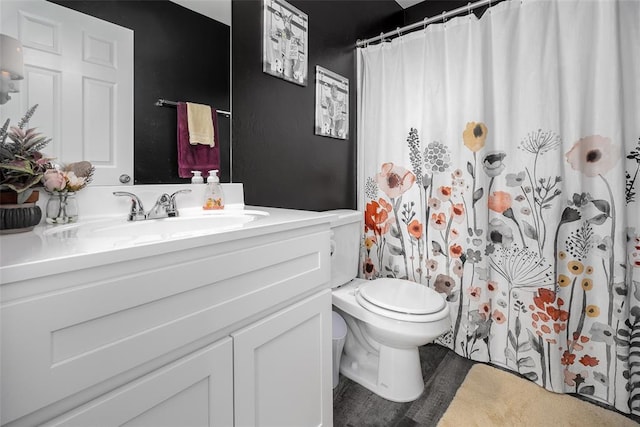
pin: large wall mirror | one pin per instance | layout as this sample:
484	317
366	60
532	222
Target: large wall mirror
97	68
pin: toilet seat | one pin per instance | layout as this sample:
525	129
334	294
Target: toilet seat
401	300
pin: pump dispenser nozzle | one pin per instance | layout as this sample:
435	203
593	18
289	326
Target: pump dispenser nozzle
213	176
197	177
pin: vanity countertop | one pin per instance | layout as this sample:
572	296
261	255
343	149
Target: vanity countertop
35	254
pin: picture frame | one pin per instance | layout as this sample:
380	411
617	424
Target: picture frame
332	104
285	41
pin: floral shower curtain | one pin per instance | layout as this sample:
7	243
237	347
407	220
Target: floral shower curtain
499	164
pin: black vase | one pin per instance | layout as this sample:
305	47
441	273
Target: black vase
19	218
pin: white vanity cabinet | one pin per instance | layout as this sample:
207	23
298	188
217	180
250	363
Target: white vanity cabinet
229	329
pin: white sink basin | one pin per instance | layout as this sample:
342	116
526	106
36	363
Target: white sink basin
194	222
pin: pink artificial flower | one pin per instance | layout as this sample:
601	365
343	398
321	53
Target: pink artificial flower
54	180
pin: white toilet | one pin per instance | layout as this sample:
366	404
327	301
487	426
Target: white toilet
387	319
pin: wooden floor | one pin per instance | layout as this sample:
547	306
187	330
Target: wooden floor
443	372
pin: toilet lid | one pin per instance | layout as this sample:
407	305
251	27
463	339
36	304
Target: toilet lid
402	296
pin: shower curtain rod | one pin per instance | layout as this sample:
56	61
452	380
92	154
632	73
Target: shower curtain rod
444	15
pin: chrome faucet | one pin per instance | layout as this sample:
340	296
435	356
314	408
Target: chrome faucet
165	206
137	210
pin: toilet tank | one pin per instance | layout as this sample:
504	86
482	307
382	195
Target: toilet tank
346	229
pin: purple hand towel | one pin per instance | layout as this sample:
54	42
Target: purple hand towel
197	157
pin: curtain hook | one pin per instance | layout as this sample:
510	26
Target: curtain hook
424	24
398	31
469	10
444	18
489	7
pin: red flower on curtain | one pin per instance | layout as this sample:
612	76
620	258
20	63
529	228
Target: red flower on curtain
587	360
376	217
499	201
567	358
498	317
457	212
485	310
415	229
548	318
444	193
455	250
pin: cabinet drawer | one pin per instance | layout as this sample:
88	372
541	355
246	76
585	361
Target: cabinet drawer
118	317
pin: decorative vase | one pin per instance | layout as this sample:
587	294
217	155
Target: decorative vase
62	208
18	218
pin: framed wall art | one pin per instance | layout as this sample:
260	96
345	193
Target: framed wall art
332	104
284	49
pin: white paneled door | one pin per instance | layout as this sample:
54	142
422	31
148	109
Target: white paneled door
79	70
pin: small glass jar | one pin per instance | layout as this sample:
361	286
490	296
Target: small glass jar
62	207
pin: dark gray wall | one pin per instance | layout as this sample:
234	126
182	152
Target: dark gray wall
430	8
275	152
180	55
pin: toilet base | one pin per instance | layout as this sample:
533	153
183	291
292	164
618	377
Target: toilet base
394	374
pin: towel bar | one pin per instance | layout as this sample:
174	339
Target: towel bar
163	102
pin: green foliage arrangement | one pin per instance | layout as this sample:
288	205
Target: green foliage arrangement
22	164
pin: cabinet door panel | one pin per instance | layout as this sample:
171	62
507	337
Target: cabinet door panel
283	367
196	390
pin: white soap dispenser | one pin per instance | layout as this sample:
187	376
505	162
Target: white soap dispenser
214	197
197	177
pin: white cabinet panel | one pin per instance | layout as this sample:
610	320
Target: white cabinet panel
196	390
282	367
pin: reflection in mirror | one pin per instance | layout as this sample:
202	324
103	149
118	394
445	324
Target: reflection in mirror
178	55
11	66
79	71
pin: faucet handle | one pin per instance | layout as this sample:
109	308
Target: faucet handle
163	199
172	210
161	208
137	210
